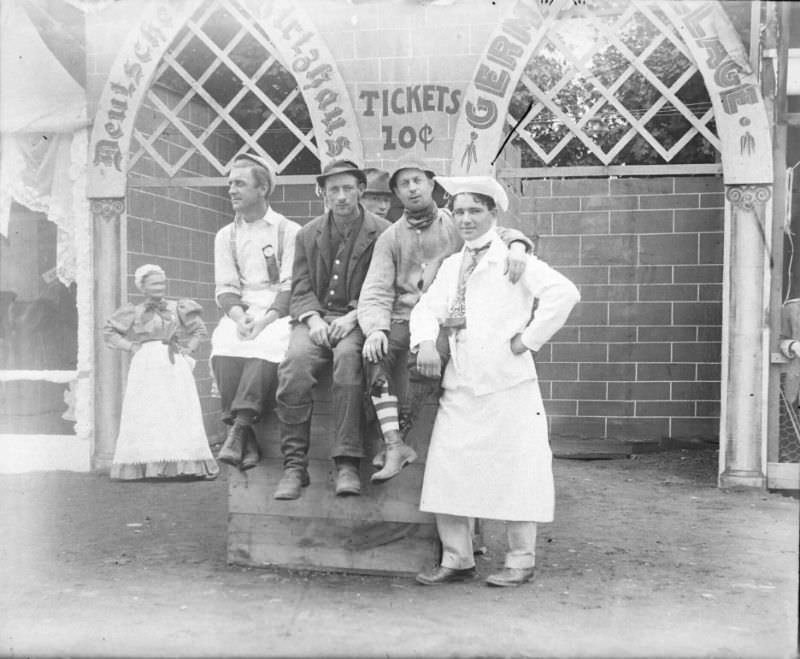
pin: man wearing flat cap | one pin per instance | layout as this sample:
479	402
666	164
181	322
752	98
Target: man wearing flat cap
253	258
489	455
377	196
406	259
332	254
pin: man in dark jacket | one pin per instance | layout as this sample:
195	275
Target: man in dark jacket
332	255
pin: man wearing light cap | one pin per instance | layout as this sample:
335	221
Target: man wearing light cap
406	259
377	196
489	455
253	258
332	254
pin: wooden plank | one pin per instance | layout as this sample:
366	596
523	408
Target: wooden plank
396	500
382	530
783	476
611	170
301	543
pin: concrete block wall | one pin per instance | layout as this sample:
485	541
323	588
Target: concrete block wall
640	355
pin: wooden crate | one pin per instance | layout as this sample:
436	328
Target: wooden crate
381	531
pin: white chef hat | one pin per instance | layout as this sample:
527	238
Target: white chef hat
485	185
143	271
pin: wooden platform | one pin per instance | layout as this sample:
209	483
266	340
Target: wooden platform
381	531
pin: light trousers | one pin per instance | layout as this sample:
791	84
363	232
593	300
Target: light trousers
455	532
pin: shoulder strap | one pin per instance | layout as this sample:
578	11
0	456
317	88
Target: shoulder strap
281	236
233	250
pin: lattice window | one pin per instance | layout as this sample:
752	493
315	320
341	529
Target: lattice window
611	83
219	91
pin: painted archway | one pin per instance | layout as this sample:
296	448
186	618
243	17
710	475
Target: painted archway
303	53
746	145
295	37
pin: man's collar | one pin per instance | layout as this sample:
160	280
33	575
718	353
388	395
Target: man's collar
270	217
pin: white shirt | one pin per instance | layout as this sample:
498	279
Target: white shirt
251	239
496	310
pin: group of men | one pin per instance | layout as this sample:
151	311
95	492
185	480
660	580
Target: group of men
348	289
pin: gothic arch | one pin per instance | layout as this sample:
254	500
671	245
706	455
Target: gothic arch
739	110
294	35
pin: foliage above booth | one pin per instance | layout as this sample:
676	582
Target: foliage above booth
612	84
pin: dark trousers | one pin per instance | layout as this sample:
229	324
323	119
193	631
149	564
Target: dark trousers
245	385
398	368
297	375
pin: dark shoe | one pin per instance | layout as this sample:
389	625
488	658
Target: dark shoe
442	575
398	455
348	482
290	484
251	455
231	451
510	576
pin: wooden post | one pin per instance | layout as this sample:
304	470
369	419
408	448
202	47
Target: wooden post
107	215
746	361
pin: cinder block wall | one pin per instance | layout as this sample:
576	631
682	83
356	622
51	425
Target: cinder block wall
640	355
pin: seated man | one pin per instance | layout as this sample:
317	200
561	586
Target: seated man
406	259
332	254
377	196
253	258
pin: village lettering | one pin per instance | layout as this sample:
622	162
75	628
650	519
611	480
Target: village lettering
733	92
492	77
107	152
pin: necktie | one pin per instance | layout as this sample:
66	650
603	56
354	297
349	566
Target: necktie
457	317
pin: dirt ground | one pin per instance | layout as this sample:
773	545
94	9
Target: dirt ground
646	558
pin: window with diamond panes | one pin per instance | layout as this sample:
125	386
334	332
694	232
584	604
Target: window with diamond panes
220	91
611	83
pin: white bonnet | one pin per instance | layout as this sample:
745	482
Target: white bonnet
485	185
143	271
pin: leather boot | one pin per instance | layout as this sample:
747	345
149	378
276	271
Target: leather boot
251	455
398	455
231	451
291	483
348	481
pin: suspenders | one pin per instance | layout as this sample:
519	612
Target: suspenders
278	248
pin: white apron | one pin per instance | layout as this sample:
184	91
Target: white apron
498	470
270	344
161	418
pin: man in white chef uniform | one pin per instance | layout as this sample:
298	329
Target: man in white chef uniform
489	455
253	258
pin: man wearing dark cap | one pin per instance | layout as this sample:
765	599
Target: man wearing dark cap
253	258
406	259
332	254
377	195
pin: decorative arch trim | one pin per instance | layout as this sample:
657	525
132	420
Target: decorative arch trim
124	92
732	86
479	130
303	53
307	57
